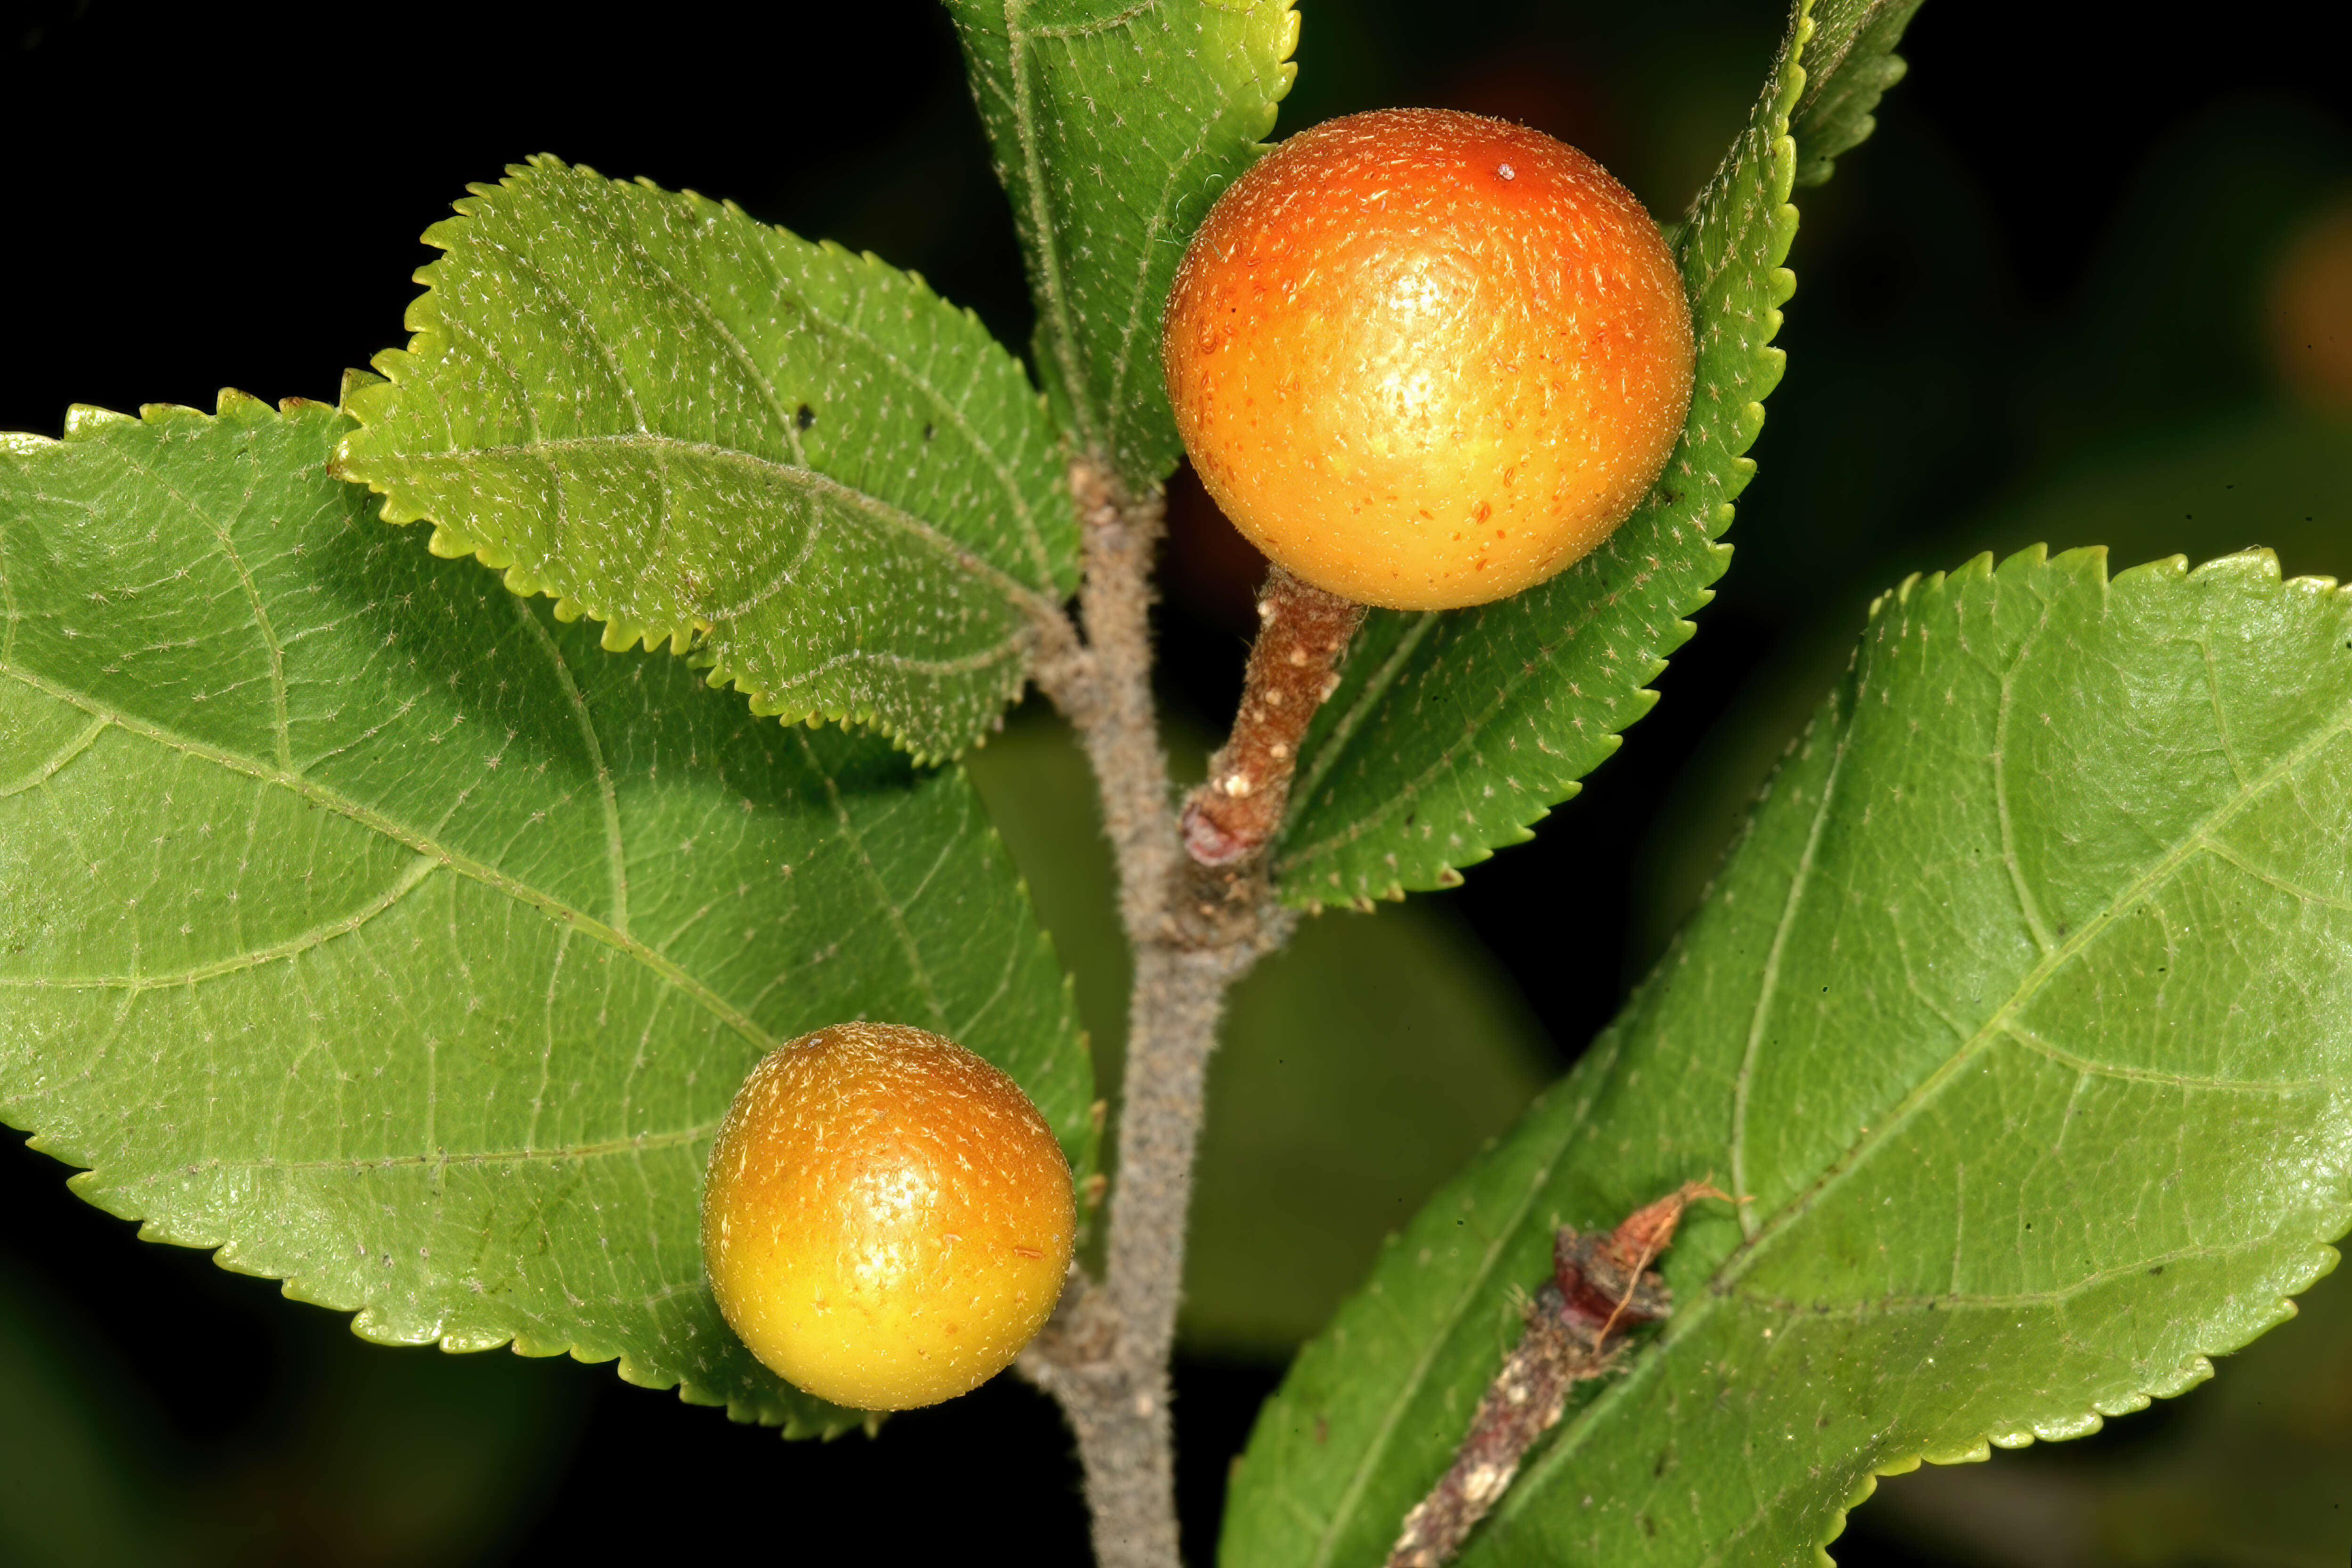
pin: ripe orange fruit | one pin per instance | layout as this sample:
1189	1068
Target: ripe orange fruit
1425	359
887	1219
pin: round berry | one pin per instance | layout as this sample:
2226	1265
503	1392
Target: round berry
887	1219
1425	359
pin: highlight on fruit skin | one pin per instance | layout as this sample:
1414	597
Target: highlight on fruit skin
1424	359
887	1219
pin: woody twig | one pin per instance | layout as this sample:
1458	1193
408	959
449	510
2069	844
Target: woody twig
1602	1288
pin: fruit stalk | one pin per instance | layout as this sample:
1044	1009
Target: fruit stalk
1293	667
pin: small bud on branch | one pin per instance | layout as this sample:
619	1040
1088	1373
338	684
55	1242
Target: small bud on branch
1601	1290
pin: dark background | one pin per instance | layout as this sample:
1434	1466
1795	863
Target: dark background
2052	257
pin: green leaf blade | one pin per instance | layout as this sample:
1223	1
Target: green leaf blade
699	428
2019	1017
1114	125
395	940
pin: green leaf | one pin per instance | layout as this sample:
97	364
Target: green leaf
1452	732
1850	62
2272	474
2024	1016
836	488
1114	124
366	924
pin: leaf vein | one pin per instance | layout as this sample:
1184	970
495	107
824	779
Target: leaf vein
892	909
951	409
50	766
2033	1041
487	875
1767	987
608	798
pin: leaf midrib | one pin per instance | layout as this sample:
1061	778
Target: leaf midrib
1139	294
602	1148
1031	605
1052	293
1833	66
1768	989
961	664
1946	1301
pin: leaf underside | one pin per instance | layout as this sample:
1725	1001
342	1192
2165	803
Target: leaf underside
1452	732
2022	1017
1114	124
837	490
366	924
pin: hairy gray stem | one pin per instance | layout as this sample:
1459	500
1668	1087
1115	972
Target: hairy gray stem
1105	687
1194	931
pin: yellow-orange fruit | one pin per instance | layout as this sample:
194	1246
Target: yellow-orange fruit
1425	359
887	1219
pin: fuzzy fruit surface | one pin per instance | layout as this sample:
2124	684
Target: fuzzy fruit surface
887	1218
1425	359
